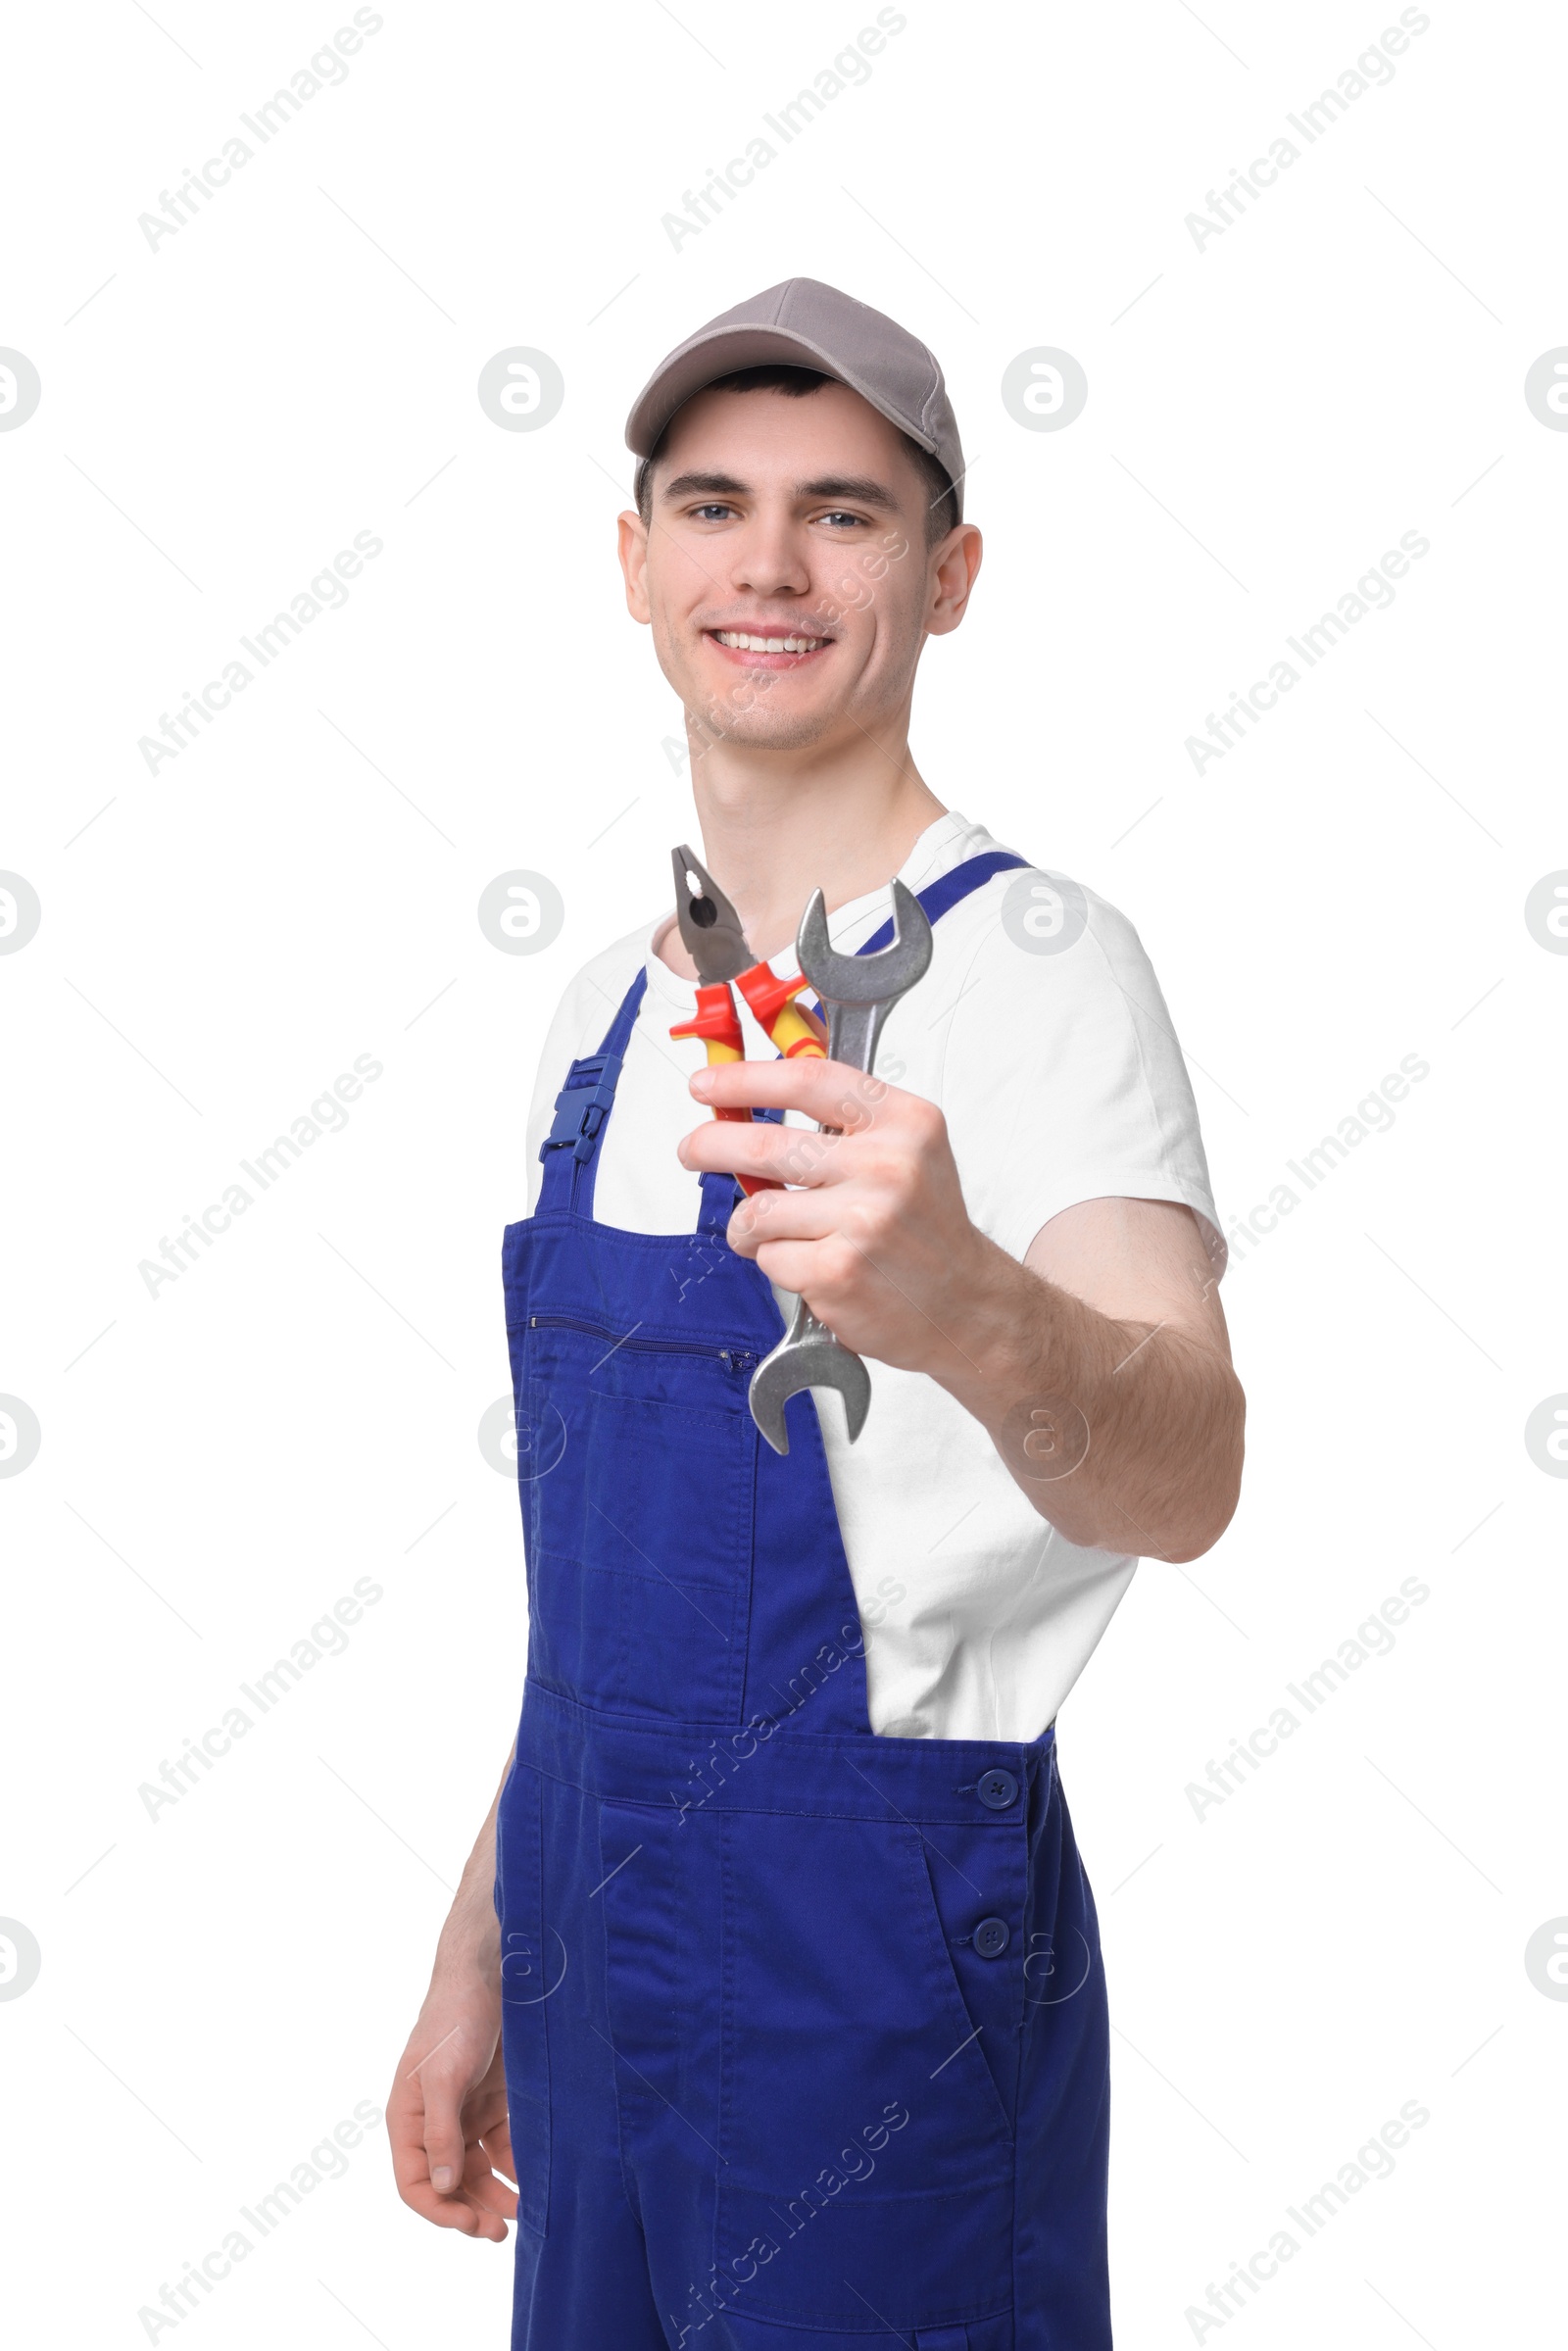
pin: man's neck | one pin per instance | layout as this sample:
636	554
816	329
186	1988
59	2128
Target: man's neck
778	825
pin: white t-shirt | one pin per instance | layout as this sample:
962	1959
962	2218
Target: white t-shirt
1062	1080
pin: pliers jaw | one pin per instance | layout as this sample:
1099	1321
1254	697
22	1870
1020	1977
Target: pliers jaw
710	927
711	934
711	931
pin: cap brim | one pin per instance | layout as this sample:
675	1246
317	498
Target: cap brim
722	353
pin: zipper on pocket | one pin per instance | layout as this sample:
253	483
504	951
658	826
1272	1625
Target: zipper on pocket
734	1358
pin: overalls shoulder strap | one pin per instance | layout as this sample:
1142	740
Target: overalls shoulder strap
569	1150
948	890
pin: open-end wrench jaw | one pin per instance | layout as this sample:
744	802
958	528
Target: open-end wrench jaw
858	992
808	1356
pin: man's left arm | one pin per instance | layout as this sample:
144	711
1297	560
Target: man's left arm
1100	1366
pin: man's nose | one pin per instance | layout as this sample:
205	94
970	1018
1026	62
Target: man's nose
771	558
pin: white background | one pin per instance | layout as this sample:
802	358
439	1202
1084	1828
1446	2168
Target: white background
218	1464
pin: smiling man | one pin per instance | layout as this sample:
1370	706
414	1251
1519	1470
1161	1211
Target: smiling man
773	1979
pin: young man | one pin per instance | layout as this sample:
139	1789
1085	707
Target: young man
792	2028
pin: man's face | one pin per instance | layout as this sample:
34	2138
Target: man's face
785	568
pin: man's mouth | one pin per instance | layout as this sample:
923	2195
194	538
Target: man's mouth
767	645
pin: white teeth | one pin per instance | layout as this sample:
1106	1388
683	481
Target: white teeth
745	644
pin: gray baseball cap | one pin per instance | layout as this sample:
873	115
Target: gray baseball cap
804	324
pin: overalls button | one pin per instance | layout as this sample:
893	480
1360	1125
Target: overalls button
991	1938
998	1789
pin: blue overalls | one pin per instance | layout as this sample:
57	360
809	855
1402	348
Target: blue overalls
805	2029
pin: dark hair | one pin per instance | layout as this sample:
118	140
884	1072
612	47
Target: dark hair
942	509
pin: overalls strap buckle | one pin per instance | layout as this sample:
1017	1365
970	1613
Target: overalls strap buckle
577	1123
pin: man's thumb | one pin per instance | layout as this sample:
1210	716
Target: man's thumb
444	2151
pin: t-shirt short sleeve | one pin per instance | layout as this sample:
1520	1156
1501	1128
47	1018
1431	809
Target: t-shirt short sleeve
1063	1080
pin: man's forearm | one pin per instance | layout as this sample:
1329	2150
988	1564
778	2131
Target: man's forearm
1124	1432
470	1939
1126	1435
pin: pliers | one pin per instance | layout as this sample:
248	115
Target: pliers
711	931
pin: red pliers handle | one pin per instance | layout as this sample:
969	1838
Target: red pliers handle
717	1023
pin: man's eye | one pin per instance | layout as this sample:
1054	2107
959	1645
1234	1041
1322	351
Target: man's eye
837	517
712	513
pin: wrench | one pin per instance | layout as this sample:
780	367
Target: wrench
858	992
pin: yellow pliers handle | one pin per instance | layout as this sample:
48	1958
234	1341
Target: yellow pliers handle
717	1022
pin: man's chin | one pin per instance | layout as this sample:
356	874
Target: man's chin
753	729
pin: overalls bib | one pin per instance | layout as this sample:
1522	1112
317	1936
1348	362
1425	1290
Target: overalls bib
805	2029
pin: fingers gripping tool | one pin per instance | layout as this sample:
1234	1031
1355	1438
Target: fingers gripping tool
858	992
711	934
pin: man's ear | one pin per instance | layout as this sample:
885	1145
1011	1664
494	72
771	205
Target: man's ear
954	566
632	534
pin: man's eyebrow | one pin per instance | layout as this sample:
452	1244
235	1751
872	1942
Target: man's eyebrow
713	485
857	487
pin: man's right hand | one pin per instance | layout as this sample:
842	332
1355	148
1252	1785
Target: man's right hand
445	2113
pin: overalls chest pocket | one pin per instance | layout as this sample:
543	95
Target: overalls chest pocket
638	1521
